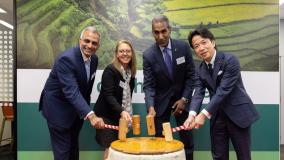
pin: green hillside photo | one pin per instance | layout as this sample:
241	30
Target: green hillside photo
246	28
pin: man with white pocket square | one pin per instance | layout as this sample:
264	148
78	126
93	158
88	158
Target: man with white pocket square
65	99
230	109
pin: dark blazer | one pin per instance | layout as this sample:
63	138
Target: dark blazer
66	94
159	88
110	98
226	91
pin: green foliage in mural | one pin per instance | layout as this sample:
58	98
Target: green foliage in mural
246	28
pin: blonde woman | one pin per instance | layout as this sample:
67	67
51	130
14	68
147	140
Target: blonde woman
117	86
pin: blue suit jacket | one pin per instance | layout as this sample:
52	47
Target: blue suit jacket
226	91
66	94
159	88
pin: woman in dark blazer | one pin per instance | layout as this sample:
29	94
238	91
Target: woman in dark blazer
114	101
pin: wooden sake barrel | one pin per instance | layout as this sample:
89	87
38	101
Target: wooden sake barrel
146	148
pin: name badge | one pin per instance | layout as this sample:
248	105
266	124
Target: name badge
122	84
180	60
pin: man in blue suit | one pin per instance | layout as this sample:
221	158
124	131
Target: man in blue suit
65	99
230	110
168	80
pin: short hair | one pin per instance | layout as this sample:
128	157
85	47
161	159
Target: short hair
203	32
93	29
132	64
161	18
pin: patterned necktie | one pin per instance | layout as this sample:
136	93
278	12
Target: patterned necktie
87	66
210	69
168	61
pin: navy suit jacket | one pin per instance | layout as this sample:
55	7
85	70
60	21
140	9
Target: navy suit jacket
159	88
66	94
226	91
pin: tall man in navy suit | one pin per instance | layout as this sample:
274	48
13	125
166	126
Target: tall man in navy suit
65	99
168	80
230	110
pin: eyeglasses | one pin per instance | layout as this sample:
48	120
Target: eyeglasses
94	43
202	43
124	51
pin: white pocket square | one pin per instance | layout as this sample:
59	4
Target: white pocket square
93	75
220	72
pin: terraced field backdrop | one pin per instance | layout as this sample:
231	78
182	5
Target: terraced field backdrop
246	28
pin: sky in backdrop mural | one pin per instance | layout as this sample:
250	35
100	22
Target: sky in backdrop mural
246	28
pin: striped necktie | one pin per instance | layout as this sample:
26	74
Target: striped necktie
168	61
87	66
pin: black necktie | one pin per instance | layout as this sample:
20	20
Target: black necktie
210	69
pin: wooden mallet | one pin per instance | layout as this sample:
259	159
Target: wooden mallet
136	125
150	125
122	129
167	131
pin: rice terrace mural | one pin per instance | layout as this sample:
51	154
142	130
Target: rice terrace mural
246	28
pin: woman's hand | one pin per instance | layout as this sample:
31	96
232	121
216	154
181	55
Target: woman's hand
126	116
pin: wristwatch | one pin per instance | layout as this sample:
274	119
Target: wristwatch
184	99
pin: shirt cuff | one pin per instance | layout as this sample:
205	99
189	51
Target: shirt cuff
192	113
207	114
86	117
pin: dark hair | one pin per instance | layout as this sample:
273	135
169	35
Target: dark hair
161	18
203	32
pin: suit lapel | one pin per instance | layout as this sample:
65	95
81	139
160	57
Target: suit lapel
212	81
217	66
205	73
82	69
175	55
92	69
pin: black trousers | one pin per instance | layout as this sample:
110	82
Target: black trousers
185	136
65	141
222	129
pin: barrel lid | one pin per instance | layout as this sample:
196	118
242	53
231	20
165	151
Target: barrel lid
147	145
